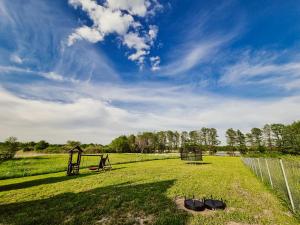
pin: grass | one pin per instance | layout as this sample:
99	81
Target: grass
28	166
142	193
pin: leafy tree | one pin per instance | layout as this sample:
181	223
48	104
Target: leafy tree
204	135
176	139
291	137
249	140
131	141
277	131
162	140
73	144
193	136
170	138
184	137
41	145
120	144
10	147
212	139
267	136
241	141
257	137
231	137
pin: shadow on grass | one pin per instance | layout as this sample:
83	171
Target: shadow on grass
142	160
48	180
198	163
126	203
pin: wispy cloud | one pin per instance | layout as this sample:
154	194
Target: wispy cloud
48	75
191	55
34	48
99	113
201	40
16	59
263	68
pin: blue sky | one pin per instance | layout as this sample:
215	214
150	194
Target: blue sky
92	70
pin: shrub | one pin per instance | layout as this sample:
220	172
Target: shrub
41	145
9	148
93	149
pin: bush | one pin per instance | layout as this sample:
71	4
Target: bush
9	148
41	145
93	149
55	149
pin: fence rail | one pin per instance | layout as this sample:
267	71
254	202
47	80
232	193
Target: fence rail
281	175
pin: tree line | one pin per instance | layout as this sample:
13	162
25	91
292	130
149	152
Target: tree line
166	141
270	138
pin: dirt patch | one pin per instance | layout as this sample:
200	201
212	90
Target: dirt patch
143	220
230	209
236	223
104	220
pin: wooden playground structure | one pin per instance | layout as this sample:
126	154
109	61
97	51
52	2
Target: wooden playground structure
75	155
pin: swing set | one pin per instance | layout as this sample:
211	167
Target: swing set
74	162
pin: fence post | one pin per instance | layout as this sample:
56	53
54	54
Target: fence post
250	164
271	182
261	176
287	185
255	167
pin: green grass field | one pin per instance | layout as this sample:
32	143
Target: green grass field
28	166
140	193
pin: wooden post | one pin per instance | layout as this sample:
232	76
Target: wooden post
69	171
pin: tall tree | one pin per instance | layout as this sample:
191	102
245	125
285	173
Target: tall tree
257	137
184	137
277	131
205	132
170	137
241	141
162	140
249	140
176	139
231	137
291	137
193	136
212	139
267	136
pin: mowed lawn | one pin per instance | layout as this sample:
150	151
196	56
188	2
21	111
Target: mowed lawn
41	164
142	193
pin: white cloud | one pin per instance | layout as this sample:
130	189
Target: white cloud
117	17
90	118
133	40
134	7
155	61
16	59
84	32
153	30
